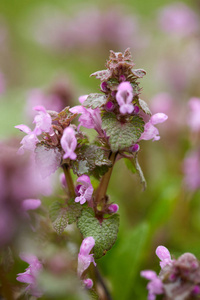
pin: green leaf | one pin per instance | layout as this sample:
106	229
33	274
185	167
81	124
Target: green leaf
130	165
104	233
122	134
125	263
58	216
95	100
73	211
144	107
91	160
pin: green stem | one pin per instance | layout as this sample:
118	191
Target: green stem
70	183
101	191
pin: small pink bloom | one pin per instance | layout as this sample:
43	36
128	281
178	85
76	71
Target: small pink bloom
84	258
191	168
113	208
85	190
31	204
43	121
164	255
150	131
124	97
194	114
31	274
68	142
88	283
155	286
29	141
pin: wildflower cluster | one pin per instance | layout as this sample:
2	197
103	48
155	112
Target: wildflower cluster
178	278
121	120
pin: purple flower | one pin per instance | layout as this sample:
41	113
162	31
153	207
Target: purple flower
113	208
43	121
31	204
164	255
179	19
155	286
124	97
90	118
150	131
194	114
68	142
191	168
88	283
85	190
84	258
31	274
29	141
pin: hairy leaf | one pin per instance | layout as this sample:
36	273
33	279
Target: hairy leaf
73	211
144	106
104	233
139	72
122	134
103	75
47	159
95	100
91	160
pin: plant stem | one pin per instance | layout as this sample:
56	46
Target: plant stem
70	183
101	191
101	281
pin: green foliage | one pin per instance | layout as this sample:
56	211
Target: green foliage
130	165
140	172
95	100
144	106
125	263
122	134
104	233
91	160
63	214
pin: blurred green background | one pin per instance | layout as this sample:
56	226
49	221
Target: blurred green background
37	48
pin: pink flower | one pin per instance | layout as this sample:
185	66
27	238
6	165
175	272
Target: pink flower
194	114
68	142
31	204
113	208
90	118
88	283
155	286
191	168
29	141
84	258
31	274
43	121
178	18
164	255
150	131
85	190
124	97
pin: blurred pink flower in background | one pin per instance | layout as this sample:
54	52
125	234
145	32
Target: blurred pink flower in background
191	169
179	19
2	84
194	114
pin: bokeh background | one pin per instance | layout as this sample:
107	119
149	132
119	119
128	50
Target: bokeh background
48	49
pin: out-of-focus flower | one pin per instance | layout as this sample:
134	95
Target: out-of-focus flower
30	204
68	142
84	258
179	19
88	283
84	190
63	180
29	141
150	131
164	255
191	169
194	114
31	274
155	286
124	97
42	121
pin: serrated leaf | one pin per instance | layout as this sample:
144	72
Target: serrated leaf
61	222
103	75
95	100
47	159
73	211
104	233
122	134
144	106
91	160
